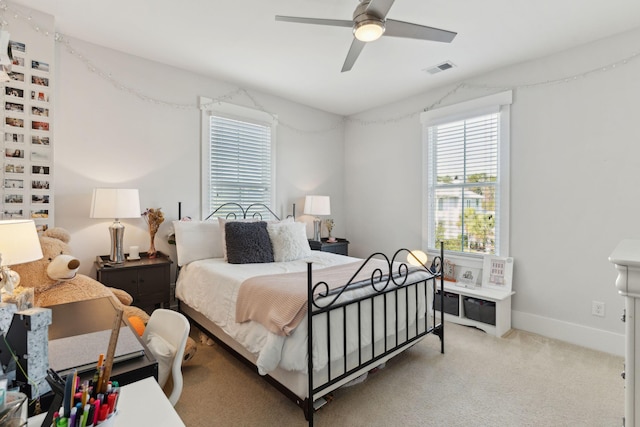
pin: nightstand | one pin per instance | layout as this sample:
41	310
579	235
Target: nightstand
147	280
340	247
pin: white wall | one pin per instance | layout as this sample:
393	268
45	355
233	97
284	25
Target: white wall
575	162
106	136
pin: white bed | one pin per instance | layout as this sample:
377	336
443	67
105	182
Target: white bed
393	316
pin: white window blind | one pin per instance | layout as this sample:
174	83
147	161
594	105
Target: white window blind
464	183
466	171
240	163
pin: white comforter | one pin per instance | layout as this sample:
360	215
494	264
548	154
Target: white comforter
211	287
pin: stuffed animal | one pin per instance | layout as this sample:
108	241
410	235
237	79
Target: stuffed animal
55	280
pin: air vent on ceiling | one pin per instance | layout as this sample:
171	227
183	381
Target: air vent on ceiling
440	67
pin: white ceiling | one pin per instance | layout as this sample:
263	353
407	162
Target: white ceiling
240	42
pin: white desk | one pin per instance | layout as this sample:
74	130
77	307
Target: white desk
142	403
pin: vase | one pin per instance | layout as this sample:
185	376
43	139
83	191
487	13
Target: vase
152	253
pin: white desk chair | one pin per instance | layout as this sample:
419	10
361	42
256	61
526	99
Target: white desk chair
166	336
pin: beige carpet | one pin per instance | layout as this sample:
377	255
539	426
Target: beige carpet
519	380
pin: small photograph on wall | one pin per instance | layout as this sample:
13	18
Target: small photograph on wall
39	185
14	168
14	183
14	91
39	111
44	126
39	140
15	122
40	213
15	153
41	96
16	199
39	80
39	170
18	46
39	156
14	106
15	76
40	66
13	137
13	213
17	61
39	198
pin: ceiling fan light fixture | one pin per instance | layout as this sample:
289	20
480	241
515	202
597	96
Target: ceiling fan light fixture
368	30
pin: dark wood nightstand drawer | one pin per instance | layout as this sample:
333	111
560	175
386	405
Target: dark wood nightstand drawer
147	280
341	246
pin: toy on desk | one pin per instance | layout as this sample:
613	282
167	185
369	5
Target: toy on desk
55	278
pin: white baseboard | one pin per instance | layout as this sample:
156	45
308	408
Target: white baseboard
597	339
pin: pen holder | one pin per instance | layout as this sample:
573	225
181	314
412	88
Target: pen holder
58	396
14	413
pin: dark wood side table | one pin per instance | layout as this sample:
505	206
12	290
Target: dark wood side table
147	280
341	246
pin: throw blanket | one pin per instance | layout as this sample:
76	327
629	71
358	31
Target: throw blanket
279	301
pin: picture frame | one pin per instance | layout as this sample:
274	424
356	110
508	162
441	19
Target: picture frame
13	213
497	273
14	92
467	276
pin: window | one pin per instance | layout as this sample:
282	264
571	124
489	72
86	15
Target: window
466	176
237	157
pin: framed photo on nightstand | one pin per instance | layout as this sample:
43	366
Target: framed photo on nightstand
497	273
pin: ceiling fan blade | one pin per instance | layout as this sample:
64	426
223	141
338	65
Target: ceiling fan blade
380	8
316	21
414	31
352	55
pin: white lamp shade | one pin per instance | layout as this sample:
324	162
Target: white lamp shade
19	242
317	205
115	203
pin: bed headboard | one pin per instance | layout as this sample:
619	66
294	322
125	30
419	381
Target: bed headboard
233	210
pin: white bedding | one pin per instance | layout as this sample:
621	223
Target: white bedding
211	287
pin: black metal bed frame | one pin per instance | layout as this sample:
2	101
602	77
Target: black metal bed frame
389	285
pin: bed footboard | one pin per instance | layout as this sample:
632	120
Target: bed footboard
362	332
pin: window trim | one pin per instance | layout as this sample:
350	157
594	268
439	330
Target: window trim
499	102
209	107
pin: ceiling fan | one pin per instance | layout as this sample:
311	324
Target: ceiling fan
369	24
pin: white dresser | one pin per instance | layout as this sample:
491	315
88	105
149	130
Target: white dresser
626	257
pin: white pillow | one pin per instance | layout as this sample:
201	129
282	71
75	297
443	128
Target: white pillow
197	240
289	241
164	354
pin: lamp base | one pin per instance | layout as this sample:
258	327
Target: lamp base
116	230
316	229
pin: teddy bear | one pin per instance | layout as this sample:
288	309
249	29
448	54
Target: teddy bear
55	280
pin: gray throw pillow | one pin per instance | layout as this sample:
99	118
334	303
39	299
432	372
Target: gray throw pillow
248	242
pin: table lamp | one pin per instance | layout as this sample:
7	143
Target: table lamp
115	203
19	243
317	205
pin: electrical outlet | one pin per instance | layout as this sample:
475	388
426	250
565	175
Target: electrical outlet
597	308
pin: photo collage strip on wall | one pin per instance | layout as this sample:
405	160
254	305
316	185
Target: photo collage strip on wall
27	154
